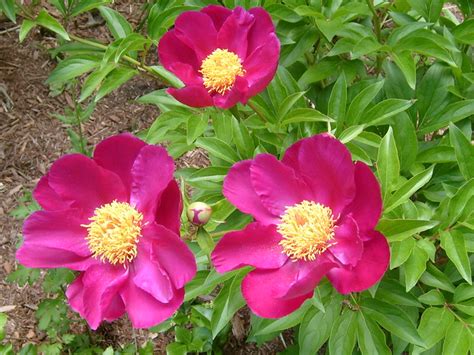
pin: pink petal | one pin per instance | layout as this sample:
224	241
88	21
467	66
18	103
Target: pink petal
259	288
102	283
80	180
144	310
276	184
218	14
194	96
59	230
239	191
238	93
149	275
38	256
326	166
368	271
47	198
171	50
75	294
152	171
262	27
171	253
197	31
117	154
168	212
115	309
262	64
256	245
349	247
233	33
366	208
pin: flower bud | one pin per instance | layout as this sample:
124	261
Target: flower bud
199	213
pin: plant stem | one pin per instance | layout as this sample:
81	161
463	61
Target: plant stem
378	32
262	117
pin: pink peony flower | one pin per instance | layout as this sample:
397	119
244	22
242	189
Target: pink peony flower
315	213
116	219
222	56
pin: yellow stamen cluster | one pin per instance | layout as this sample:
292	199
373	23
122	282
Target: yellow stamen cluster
220	69
307	229
114	231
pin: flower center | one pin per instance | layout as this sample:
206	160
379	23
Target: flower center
219	70
114	231
307	229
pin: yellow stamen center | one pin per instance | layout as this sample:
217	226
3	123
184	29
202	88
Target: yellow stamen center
114	231
219	70
307	229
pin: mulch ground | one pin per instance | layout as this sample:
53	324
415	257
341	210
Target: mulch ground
31	139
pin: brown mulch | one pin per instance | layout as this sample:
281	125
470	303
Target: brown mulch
31	139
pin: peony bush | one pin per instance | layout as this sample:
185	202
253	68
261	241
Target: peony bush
337	204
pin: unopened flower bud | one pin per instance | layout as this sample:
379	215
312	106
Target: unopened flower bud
199	213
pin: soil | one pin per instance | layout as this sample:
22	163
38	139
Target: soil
31	139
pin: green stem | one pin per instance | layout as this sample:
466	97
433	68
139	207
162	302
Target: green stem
262	117
378	32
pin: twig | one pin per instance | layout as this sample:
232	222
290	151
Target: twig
11	29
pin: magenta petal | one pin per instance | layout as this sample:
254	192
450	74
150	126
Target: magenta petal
144	310
149	276
151	173
115	310
233	33
171	50
262	27
102	283
348	247
169	210
171	253
368	271
218	14
197	31
256	245
239	191
262	64
75	294
194	96
117	154
366	207
326	166
57	229
38	256
47	198
259	288
238	93
80	180
276	184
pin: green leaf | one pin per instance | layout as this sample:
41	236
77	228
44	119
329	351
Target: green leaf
269	326
205	282
434	324
463	292
115	79
196	126
71	68
94	80
400	229
361	101
218	148
288	103
350	133
458	339
379	114
388	165
400	252
429	9
176	349
242	138
87	5
228	301
408	189
464	33
459	201
407	65
305	115
464	151
393	292
433	298
370	337
436	278
3	322
167	76
25	28
343	334
205	241
393	319
46	20
8	7
454	245
117	24
337	100
414	267
452	113
316	327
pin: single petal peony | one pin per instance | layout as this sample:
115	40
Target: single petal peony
222	56
115	218
315	213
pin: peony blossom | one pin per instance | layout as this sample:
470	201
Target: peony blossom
115	218
315	213
222	56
